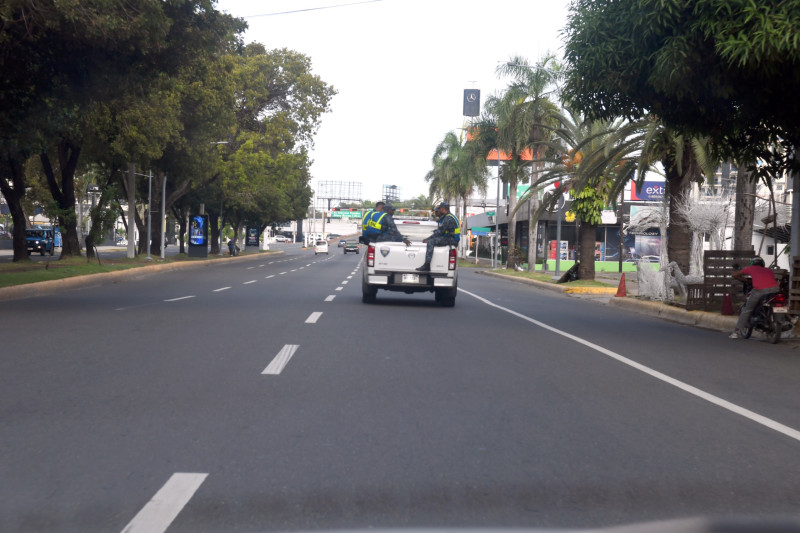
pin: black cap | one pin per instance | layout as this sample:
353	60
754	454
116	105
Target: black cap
388	207
444	204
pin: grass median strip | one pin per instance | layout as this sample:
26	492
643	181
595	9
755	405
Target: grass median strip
25	272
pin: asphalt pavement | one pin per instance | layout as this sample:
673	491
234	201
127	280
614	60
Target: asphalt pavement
261	394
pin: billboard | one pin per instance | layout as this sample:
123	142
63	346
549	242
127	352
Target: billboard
651	191
198	230
252	236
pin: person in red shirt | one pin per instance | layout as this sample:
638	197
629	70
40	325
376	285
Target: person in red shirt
763	280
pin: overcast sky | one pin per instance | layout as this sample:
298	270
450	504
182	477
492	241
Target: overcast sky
400	68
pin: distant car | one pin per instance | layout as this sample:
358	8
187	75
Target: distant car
351	246
282	238
321	247
39	240
342	243
122	242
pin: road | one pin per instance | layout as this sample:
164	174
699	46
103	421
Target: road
262	395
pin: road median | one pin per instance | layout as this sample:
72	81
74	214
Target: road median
40	288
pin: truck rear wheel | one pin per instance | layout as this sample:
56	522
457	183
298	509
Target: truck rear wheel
446	297
368	294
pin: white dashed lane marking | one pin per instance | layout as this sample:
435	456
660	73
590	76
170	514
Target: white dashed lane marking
279	362
313	317
221	289
163	508
181	298
330	298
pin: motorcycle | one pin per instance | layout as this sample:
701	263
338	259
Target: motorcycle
770	316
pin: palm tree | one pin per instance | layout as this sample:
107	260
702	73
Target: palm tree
590	158
634	148
515	124
457	171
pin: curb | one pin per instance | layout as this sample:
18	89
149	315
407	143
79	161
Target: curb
700	319
553	287
41	288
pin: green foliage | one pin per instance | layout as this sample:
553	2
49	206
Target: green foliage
721	69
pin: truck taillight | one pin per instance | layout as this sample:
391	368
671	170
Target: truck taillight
451	264
370	256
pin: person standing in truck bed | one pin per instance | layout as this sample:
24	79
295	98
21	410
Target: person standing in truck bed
448	234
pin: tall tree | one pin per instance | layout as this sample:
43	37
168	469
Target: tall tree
540	117
458	169
54	71
725	70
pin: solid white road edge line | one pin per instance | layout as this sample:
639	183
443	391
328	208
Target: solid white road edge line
163	508
716	400
277	365
181	298
313	317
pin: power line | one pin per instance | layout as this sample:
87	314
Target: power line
310	9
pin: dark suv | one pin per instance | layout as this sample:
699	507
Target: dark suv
39	240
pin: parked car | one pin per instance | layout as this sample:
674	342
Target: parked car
39	240
351	246
282	238
321	247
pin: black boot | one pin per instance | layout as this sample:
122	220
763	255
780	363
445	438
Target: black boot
425	267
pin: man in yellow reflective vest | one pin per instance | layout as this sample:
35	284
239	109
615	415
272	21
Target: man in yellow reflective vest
448	234
368	233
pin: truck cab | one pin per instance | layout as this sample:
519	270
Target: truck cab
392	266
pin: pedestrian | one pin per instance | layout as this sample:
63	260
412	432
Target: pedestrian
389	231
368	231
763	281
447	234
232	247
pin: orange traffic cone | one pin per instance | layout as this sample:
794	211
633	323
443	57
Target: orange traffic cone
621	291
727	305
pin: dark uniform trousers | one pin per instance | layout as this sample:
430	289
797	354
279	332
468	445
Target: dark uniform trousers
437	240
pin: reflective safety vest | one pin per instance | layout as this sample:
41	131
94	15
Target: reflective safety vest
374	224
365	220
456	233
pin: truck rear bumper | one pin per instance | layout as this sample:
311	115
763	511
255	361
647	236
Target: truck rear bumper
422	282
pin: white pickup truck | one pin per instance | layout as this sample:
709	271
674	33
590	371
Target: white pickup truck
392	266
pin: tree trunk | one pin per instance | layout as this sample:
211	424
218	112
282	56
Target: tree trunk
679	238
588	235
511	255
12	185
745	211
679	178
65	194
183	224
214	227
533	233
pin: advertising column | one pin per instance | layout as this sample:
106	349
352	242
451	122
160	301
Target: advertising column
198	236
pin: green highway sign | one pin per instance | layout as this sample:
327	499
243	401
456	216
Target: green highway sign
490	213
346	214
481	229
